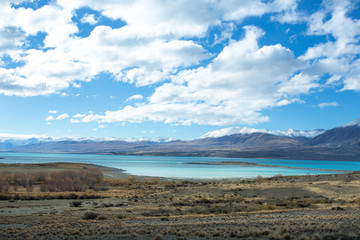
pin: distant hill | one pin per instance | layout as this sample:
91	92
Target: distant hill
341	143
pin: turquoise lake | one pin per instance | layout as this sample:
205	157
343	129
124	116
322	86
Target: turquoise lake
176	167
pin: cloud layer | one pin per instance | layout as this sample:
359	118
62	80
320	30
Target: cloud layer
166	45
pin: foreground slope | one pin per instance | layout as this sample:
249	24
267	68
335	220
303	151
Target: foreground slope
303	207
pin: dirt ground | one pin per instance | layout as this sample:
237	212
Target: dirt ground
304	207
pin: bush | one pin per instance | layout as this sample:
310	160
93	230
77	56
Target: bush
20	179
67	180
40	177
4	185
75	203
76	181
90	216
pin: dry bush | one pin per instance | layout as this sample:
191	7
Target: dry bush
39	177
20	179
75	204
76	181
90	216
356	201
66	180
4	185
132	179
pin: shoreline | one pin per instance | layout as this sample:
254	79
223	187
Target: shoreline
248	164
117	173
111	172
179	156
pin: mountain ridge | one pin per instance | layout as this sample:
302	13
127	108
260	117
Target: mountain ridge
340	143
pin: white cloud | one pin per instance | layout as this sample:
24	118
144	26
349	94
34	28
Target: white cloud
134	97
149	49
299	84
336	57
328	104
49	118
161	39
238	10
79	115
240	82
52	111
51	19
62	116
89	18
10	39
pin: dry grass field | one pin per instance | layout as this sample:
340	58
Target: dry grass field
117	206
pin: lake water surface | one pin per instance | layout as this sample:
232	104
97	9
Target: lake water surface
176	167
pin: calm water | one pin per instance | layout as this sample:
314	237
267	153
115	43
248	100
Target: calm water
176	167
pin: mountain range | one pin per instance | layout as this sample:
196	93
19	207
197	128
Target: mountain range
340	143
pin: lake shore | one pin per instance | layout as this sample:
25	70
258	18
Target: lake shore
291	207
248	164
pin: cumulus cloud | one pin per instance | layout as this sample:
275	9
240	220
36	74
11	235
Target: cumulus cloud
52	111
162	44
221	93
149	49
89	18
11	38
336	57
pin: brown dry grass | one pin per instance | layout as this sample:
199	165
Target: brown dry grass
277	208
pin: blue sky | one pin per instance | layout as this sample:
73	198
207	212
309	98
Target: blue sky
178	69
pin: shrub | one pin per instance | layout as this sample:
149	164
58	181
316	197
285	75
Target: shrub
132	179
76	181
62	181
20	179
39	177
90	216
75	203
4	185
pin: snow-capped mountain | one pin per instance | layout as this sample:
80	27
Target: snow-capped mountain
345	135
353	123
300	133
340	143
244	130
11	141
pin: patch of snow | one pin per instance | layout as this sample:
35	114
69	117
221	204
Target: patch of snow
144	139
300	133
352	123
233	130
244	130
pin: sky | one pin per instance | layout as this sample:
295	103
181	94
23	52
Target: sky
176	69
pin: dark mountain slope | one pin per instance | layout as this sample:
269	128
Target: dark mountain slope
240	141
338	137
